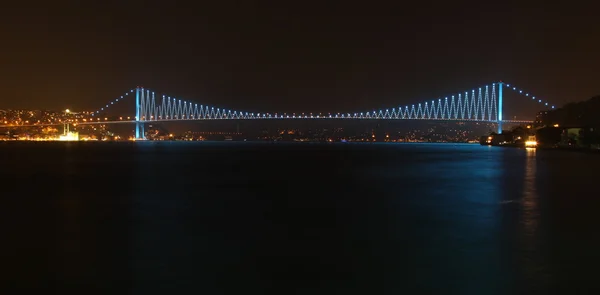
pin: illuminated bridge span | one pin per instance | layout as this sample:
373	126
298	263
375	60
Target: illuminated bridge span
483	104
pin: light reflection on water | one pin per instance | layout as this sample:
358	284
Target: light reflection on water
530	195
536	274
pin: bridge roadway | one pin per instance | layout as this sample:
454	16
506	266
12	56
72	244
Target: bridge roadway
213	119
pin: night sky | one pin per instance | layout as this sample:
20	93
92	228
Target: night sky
303	57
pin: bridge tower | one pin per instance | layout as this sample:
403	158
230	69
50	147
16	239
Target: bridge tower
139	124
499	116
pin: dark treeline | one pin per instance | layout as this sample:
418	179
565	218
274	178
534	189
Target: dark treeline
585	113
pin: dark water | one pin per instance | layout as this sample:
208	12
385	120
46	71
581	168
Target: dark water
241	218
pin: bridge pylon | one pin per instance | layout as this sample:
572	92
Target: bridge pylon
499	116
139	123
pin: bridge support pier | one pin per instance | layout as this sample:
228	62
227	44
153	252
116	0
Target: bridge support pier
139	131
499	117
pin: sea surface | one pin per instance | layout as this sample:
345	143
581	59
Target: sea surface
298	218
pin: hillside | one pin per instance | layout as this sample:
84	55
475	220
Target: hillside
585	113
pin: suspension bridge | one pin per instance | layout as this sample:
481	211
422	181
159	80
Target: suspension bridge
482	104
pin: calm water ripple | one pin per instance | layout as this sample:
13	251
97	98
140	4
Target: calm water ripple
237	218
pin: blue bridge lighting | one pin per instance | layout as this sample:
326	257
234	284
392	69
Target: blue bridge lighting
484	104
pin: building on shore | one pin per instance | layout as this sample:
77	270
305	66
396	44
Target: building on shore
69	136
